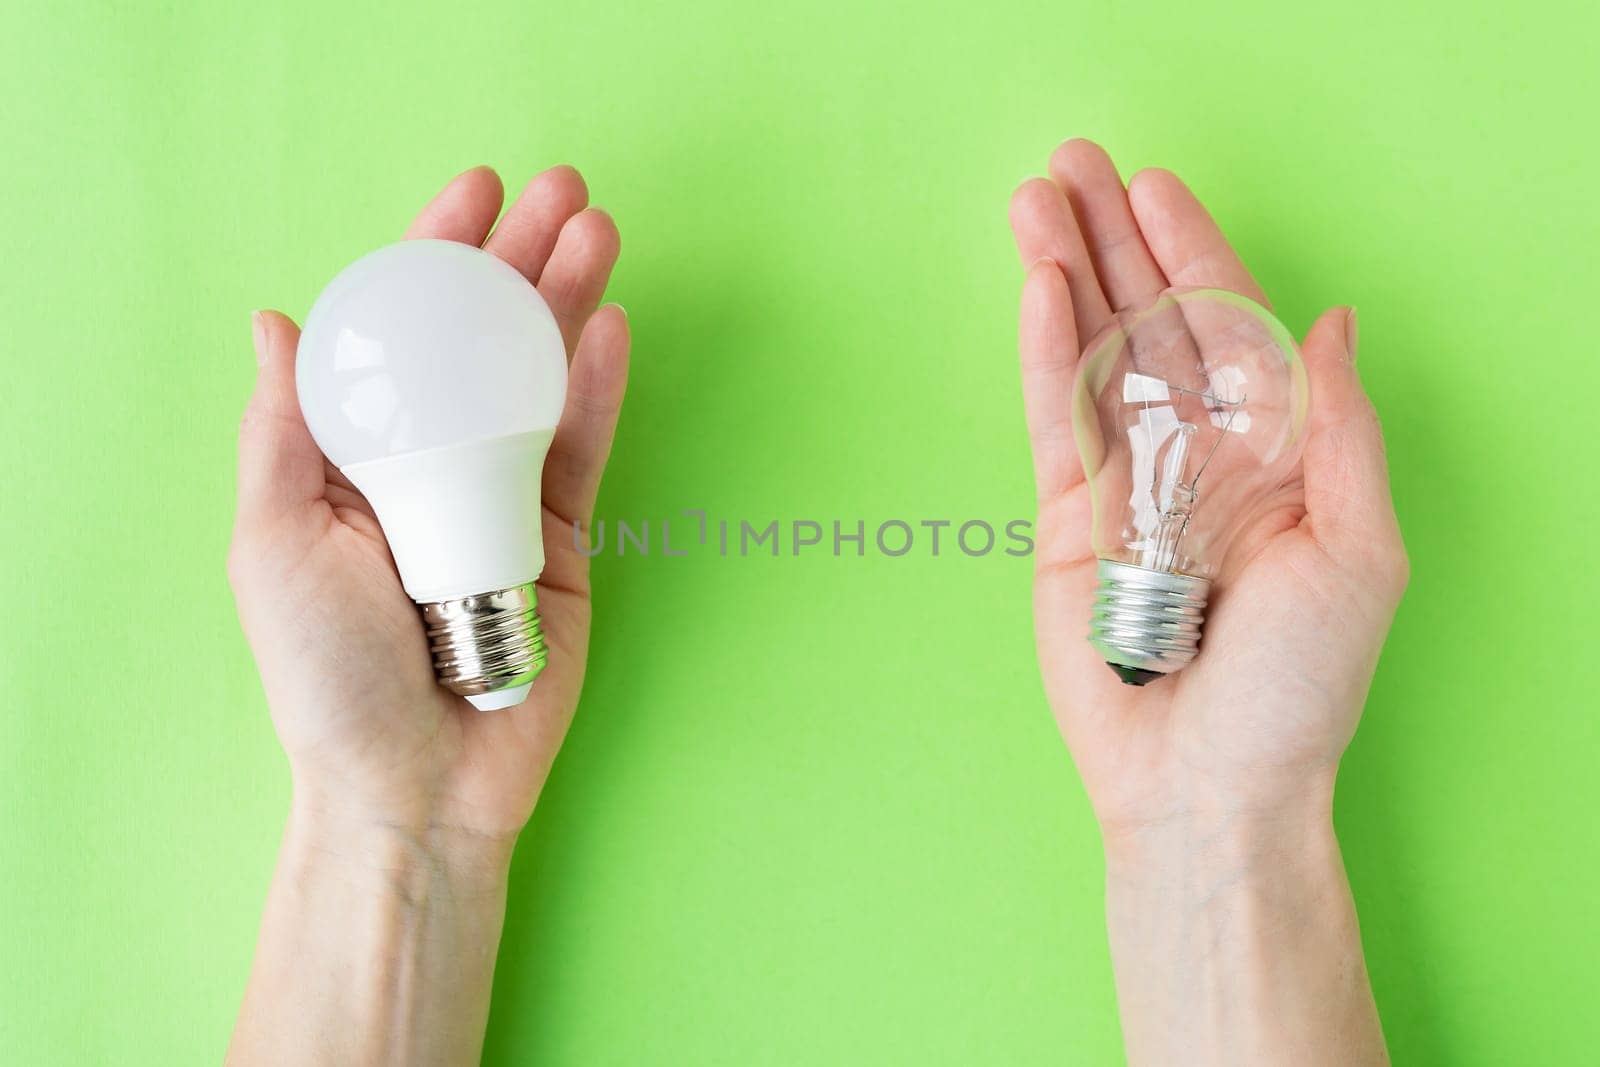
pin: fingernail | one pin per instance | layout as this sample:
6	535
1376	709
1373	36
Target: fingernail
1041	261
620	308
258	331
1352	334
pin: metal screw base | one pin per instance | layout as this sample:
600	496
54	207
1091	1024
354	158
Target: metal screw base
486	642
1145	622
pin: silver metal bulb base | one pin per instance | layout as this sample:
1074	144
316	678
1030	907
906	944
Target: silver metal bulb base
486	643
1146	623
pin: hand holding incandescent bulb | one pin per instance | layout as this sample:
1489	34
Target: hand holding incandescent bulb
1232	929
1306	564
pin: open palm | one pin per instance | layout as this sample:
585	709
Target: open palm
340	646
1304	599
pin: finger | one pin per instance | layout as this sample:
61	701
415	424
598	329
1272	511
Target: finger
1048	344
1127	271
580	266
280	466
527	234
463	211
1079	685
595	387
1184	239
1043	225
1348	506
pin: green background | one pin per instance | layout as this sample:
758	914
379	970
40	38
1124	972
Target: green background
814	810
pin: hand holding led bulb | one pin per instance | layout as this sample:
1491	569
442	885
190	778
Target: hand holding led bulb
342	650
379	938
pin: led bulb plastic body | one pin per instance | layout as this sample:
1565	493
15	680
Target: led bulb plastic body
433	375
1189	413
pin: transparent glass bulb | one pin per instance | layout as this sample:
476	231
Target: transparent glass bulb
1189	413
433	375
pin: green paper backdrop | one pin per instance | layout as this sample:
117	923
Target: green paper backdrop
813	810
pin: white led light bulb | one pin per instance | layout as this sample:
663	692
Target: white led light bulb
433	375
1189	413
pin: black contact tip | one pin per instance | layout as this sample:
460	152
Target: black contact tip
1134	675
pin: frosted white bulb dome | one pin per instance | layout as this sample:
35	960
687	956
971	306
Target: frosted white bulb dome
433	375
425	344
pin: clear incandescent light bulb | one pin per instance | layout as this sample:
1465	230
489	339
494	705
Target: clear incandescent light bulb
1189	413
433	374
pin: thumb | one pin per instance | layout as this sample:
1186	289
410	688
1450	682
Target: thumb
1346	471
280	466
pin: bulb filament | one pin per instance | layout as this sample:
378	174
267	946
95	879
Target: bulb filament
1176	498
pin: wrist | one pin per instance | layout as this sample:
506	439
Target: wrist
411	852
1234	936
378	943
1223	828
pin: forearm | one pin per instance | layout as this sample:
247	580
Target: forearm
1235	941
377	945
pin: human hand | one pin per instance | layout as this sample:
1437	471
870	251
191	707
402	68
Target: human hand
371	737
1255	726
